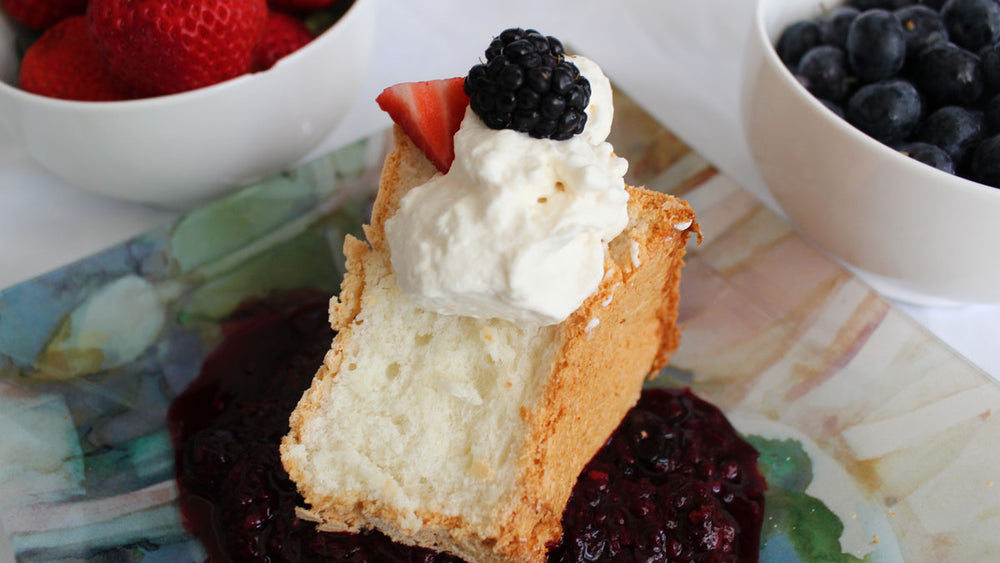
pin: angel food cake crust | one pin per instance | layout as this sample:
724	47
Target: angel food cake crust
597	358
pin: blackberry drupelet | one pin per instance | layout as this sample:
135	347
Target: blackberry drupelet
526	84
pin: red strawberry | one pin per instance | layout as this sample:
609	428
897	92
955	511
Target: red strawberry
167	46
430	114
62	63
300	5
283	35
43	14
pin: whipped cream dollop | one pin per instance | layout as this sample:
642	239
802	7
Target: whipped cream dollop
518	227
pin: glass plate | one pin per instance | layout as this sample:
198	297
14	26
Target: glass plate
877	441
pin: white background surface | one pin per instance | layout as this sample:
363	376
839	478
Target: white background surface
680	59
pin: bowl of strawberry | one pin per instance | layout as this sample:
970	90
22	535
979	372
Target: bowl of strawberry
175	102
875	124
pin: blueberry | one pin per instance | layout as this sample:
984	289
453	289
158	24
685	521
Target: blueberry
950	75
888	111
833	26
796	40
986	162
930	155
972	23
834	107
954	129
864	5
932	4
992	115
922	27
989	62
876	45
823	71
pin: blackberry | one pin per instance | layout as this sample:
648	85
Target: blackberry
526	84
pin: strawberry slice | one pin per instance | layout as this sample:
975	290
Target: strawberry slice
429	113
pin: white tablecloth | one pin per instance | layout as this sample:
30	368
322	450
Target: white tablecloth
680	59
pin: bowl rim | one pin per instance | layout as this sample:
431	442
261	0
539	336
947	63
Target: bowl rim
334	30
771	57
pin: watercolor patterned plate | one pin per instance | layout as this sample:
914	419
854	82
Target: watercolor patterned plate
877	441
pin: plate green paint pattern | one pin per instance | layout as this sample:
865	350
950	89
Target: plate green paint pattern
92	355
875	438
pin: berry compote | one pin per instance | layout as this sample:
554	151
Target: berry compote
674	482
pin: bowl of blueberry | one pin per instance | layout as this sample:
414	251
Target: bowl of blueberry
875	125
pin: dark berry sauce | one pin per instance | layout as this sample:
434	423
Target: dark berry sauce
674	482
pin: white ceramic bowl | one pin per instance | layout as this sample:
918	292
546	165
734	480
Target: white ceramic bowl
913	232
182	149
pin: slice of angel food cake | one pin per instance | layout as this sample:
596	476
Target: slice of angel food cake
511	298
